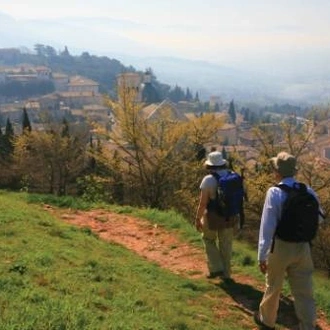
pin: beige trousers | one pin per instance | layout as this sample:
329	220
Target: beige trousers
294	261
218	248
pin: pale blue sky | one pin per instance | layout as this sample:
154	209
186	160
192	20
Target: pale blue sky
231	31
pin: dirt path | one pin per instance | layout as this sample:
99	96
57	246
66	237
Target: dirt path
160	246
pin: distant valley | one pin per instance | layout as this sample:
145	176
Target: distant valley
241	84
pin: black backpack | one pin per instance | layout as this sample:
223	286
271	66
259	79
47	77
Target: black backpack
229	196
300	215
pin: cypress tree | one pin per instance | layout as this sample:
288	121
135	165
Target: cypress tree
26	125
8	138
9	132
65	128
232	112
188	95
2	144
224	153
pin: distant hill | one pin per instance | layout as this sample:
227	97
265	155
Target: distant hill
241	85
101	69
106	39
207	78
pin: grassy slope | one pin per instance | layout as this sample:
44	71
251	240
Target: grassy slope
55	276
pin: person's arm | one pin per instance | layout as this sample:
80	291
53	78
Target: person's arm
268	224
203	200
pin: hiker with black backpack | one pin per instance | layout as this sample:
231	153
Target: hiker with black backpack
289	222
220	203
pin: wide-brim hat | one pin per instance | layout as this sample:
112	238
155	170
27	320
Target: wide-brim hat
285	164
215	159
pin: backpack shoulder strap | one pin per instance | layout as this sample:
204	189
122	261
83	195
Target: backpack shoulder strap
284	187
299	186
216	176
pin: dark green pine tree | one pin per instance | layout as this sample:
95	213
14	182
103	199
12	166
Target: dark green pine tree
9	132
65	128
26	125
2	144
8	138
92	161
188	95
224	153
232	112
246	114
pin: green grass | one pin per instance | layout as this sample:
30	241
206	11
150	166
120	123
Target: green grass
56	276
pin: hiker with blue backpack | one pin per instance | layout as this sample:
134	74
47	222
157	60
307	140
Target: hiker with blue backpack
220	203
289	222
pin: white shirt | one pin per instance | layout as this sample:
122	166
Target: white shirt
210	183
271	214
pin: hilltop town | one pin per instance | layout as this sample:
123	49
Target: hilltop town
78	98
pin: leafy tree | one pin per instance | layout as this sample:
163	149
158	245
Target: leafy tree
40	49
57	160
50	51
153	155
85	56
19	90
177	94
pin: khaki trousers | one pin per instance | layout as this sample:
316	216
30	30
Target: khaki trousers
294	261
218	248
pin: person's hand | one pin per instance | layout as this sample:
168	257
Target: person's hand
263	266
198	224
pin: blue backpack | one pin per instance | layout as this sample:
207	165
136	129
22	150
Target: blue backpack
230	194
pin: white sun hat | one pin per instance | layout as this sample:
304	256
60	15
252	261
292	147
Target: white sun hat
215	159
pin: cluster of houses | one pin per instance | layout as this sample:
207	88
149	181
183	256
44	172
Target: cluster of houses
80	97
76	94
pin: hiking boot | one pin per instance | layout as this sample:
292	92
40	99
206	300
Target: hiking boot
262	326
214	275
227	279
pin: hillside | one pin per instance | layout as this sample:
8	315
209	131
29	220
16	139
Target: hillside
101	69
99	269
301	78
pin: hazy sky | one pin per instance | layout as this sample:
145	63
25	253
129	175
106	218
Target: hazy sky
233	31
